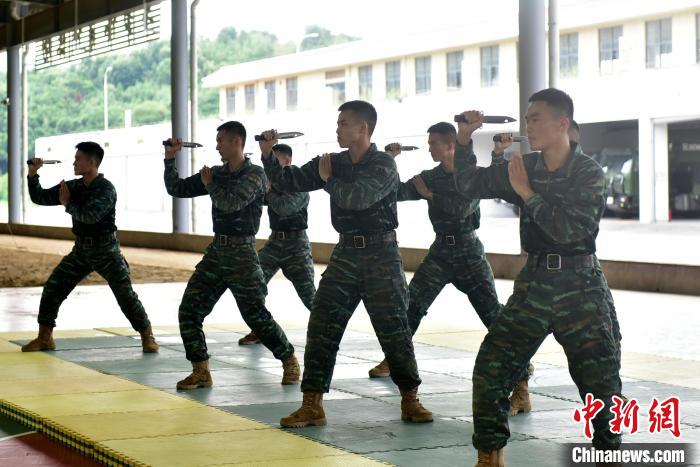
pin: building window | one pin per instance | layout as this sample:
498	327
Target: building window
292	93
609	48
337	92
393	80
335	80
230	101
489	66
697	38
454	69
270	90
422	75
568	54
250	97
365	78
659	44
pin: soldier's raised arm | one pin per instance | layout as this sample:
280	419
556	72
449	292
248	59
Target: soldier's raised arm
478	182
177	187
292	178
39	195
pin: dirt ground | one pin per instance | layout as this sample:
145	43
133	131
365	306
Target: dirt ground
24	268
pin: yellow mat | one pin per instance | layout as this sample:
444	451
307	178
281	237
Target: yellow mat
57	333
220	448
117	422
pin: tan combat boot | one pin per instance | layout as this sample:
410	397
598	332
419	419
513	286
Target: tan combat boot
411	408
520	399
148	341
43	342
381	370
290	370
309	414
249	339
495	458
200	377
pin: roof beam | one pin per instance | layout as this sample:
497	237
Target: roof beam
61	17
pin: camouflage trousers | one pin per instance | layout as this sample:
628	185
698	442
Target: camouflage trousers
235	268
375	276
293	256
574	305
615	322
109	263
462	265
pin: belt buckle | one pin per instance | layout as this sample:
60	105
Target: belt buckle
450	240
357	244
222	240
555	256
280	235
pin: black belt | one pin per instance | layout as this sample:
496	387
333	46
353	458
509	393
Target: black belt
286	235
456	239
367	241
89	241
230	240
556	262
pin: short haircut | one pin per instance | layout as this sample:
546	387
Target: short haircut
233	128
446	131
364	111
557	99
92	149
283	148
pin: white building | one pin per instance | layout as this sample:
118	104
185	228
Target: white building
632	68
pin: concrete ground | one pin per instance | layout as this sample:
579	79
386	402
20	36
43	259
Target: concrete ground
99	387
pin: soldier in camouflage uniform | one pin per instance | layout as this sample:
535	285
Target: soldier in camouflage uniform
230	262
90	201
561	289
365	265
288	247
457	255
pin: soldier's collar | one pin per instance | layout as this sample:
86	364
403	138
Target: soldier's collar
246	163
371	150
568	166
92	183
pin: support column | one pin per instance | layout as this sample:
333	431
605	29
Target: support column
194	98
14	155
661	173
178	85
553	42
531	56
647	198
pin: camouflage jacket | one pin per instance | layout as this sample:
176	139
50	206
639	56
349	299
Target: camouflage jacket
563	215
92	207
450	212
363	195
236	197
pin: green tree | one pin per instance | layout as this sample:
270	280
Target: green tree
69	98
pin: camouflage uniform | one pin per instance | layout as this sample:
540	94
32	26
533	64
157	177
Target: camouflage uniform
288	247
365	265
230	261
456	256
561	290
96	248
